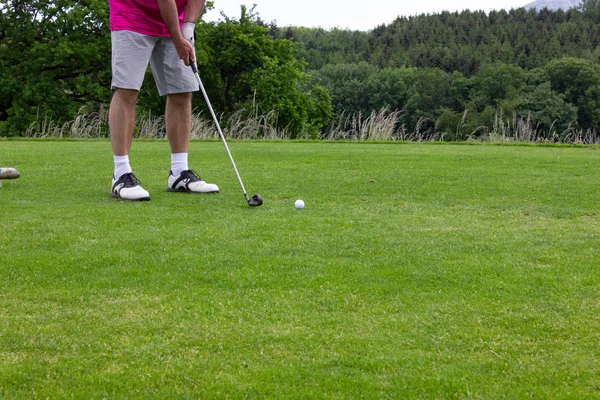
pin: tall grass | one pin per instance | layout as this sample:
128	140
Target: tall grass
85	125
148	126
517	129
382	125
239	126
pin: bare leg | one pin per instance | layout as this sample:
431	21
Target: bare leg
178	119
121	120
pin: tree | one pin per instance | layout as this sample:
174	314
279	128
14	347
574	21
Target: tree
348	86
497	82
54	59
428	98
591	10
459	41
246	68
547	110
578	81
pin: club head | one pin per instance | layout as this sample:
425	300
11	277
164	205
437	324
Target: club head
255	201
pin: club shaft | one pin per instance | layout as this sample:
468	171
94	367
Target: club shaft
214	116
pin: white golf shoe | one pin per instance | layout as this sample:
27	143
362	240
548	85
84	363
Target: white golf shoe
189	182
127	187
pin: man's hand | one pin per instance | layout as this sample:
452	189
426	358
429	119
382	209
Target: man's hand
188	31
185	50
168	11
188	34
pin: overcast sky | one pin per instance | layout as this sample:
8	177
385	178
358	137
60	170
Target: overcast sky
350	14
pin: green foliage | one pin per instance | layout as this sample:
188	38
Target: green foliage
450	122
459	41
245	68
497	82
427	96
55	63
547	109
461	73
467	70
349	86
320	47
579	81
558	97
54	59
591	10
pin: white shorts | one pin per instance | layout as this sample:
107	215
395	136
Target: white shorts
131	53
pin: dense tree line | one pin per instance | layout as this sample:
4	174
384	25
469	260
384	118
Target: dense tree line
458	72
562	95
451	72
458	41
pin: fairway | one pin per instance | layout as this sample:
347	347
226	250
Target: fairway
414	271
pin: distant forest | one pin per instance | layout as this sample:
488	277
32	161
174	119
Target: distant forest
459	72
457	41
462	74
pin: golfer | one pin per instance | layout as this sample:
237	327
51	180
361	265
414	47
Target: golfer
159	32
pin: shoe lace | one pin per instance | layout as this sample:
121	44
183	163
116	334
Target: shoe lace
191	175
130	180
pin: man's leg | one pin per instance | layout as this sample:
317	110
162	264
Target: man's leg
121	121
178	119
131	53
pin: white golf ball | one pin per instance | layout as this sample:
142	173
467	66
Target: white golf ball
299	204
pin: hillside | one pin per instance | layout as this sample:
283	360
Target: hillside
553	4
458	41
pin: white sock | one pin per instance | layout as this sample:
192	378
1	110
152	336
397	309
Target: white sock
179	163
122	166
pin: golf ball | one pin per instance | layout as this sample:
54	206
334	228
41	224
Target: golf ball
299	204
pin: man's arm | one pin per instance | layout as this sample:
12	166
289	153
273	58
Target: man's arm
193	10
168	11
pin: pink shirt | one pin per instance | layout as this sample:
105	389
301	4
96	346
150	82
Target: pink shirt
141	16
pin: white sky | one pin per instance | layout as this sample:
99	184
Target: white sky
350	14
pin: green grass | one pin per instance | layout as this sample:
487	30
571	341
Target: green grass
415	271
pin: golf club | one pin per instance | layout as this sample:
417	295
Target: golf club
256	200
